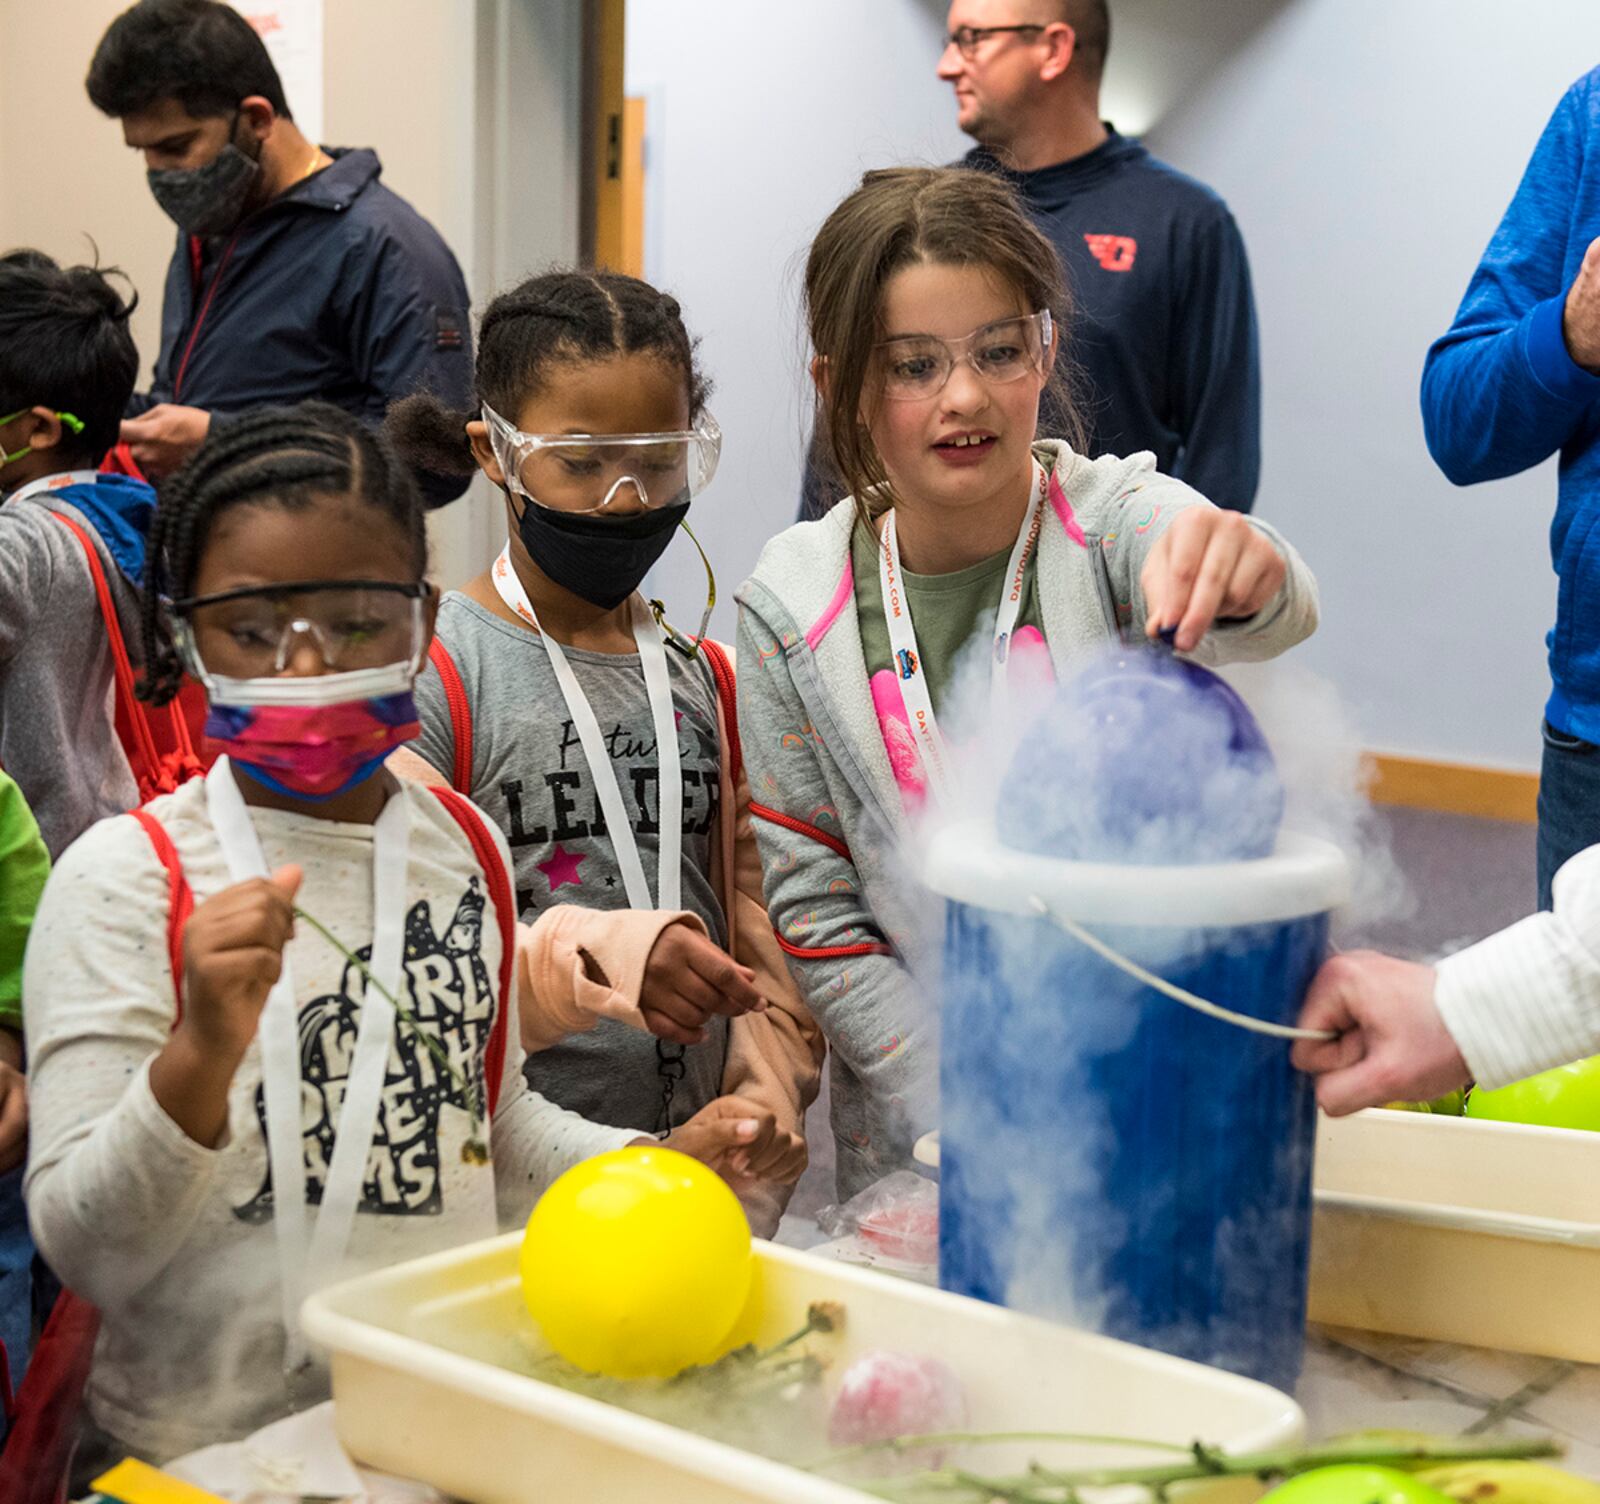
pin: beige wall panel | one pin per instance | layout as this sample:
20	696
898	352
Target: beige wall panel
65	175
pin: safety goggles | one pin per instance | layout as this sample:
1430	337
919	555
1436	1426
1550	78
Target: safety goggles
69	421
919	365
589	472
688	646
256	633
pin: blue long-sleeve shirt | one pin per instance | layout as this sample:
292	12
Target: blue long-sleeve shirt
1501	393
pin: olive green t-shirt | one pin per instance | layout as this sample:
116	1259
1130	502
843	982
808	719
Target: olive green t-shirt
946	609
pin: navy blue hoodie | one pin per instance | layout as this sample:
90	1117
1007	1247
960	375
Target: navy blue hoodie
336	289
1164	327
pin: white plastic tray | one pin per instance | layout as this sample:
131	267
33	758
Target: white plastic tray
420	1390
1460	1231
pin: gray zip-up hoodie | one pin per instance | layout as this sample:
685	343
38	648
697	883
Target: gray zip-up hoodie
829	814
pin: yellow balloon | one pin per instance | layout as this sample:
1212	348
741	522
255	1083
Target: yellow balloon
636	1264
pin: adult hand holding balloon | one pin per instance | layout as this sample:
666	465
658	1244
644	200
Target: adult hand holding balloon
636	1264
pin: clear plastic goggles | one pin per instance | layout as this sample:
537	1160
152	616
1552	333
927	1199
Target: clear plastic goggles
257	633
920	364
595	472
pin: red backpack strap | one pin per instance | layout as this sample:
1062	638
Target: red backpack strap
131	711
727	697
39	1446
180	897
455	696
472	820
119	460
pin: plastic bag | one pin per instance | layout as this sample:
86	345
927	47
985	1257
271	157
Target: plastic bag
898	1218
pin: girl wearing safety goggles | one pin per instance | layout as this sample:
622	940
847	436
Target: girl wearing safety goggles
269	1015
937	315
602	740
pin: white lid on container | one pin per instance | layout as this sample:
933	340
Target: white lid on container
967	862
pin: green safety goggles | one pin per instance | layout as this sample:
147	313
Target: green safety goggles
68	420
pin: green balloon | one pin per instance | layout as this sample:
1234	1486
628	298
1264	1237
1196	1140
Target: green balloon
1567	1097
1355	1483
1450	1105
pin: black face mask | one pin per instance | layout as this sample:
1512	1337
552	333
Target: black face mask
599	559
207	200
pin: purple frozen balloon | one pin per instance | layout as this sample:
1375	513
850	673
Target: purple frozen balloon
1143	759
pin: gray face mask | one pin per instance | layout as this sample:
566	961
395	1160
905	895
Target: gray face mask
207	200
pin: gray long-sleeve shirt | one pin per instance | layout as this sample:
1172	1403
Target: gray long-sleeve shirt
57	738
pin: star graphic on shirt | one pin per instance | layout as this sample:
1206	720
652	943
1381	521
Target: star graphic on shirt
611	882
562	868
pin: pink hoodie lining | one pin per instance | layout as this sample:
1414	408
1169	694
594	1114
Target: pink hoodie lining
847	585
1058	499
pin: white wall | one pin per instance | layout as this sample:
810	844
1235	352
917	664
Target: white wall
760	117
1368	148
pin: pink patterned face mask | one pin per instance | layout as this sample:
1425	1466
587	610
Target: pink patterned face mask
313	751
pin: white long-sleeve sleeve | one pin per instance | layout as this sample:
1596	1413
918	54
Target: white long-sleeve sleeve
536	1141
114	1186
1528	998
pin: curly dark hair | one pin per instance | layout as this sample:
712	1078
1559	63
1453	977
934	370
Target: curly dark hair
291	457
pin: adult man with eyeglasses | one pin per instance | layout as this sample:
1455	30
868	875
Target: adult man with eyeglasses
1164	326
297	273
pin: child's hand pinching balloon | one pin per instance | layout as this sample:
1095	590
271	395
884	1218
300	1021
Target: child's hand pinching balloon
1209	564
232	954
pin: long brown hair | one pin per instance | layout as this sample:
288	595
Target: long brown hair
948	216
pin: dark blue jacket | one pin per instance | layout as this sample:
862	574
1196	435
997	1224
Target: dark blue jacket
336	289
1500	393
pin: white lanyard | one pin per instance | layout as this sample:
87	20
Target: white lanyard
279	1036
58	482
909	669
658	686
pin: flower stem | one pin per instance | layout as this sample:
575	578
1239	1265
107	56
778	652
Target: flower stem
468	1087
1041	1484
960	1438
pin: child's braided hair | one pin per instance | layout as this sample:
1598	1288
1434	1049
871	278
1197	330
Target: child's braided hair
555	317
287	457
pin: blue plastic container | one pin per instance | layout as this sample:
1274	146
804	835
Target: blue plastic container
1109	1156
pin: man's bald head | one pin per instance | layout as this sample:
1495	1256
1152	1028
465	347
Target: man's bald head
1026	74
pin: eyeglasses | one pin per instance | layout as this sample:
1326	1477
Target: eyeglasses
68	421
965	39
587	472
255	632
689	646
919	365
74	425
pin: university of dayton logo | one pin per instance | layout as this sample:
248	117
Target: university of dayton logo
1114	252
908	663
